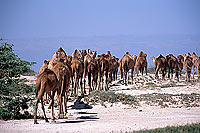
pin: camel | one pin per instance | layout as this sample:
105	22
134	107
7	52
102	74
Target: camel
63	74
180	60
59	56
172	65
188	66
126	63
77	73
87	60
160	63
115	66
104	66
77	56
44	66
141	63
196	64
46	82
92	73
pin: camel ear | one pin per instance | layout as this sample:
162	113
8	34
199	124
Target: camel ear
45	61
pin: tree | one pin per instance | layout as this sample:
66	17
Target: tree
13	91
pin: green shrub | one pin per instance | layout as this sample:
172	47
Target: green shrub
14	97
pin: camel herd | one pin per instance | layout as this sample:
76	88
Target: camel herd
57	74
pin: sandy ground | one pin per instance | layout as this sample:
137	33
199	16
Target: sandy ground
118	117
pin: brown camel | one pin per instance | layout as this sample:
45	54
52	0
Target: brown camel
59	56
141	63
126	63
77	73
172	65
104	69
87	60
160	63
92	74
46	82
115	66
44	66
180	60
77	56
63	74
188	66
196	64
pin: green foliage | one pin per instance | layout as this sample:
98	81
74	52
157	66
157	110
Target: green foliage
194	128
13	91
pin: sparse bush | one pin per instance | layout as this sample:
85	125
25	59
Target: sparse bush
194	128
14	92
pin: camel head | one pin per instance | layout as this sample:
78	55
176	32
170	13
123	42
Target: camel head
46	62
153	58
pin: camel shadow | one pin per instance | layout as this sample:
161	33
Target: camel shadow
69	121
78	104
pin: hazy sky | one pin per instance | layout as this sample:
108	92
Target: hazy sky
39	27
53	18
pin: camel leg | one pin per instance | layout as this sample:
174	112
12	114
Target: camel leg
102	80
142	69
106	82
198	72
146	69
36	106
169	73
89	81
52	105
132	76
45	117
193	67
156	75
124	77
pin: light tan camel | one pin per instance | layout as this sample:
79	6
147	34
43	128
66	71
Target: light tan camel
59	56
46	82
141	63
196	64
126	63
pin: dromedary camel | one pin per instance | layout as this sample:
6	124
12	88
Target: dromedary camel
196	64
126	63
115	66
180	60
46	82
59	56
63	74
44	66
141	63
172	65
104	68
92	74
77	73
188	66
160	63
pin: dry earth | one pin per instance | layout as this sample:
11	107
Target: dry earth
117	117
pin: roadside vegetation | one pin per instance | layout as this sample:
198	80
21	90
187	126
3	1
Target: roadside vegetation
154	99
14	93
194	128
